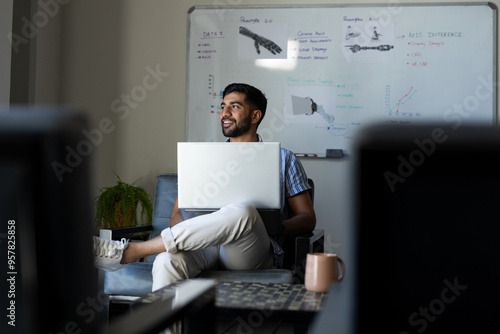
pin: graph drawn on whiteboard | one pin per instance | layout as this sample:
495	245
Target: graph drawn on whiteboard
400	105
215	95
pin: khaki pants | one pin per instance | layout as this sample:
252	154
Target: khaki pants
233	237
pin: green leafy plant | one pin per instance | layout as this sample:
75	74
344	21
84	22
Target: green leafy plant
117	206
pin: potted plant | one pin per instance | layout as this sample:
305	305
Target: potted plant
117	206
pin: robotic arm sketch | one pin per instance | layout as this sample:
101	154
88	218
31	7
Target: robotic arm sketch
356	48
259	40
320	110
307	106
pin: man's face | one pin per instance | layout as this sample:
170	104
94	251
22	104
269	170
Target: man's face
236	115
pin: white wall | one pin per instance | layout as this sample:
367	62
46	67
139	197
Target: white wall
107	48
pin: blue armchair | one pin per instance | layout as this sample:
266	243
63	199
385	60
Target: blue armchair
135	279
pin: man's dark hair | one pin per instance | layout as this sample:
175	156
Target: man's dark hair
253	96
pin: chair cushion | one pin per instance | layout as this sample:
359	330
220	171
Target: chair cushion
251	276
134	279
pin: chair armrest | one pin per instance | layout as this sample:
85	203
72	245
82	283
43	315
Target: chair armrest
110	234
313	242
312	237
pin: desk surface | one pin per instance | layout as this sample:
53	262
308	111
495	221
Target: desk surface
256	296
282	297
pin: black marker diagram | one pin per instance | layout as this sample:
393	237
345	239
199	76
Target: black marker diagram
357	48
307	106
376	35
370	39
351	33
261	41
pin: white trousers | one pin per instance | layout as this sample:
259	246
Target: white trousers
234	237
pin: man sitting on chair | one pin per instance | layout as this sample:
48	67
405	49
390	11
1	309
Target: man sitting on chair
233	237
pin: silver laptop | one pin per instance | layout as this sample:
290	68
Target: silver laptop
212	175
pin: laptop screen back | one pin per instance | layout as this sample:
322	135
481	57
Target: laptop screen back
212	175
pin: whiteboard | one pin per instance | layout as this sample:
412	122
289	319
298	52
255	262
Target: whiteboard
329	71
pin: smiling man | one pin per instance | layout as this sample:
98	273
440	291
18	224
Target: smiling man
233	237
240	115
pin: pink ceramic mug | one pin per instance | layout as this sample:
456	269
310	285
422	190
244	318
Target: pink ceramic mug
322	269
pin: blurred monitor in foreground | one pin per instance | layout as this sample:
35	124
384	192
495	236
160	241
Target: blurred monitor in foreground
427	229
48	283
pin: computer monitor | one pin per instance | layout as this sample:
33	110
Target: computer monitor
48	281
427	229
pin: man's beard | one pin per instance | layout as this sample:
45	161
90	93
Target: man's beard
237	129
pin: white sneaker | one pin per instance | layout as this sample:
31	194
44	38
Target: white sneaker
108	253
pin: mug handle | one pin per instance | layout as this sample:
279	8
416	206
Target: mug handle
342	269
